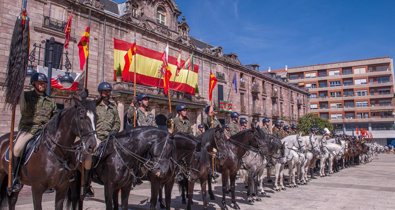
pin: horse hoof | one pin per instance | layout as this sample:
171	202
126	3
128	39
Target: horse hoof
258	199
162	206
234	206
212	197
250	201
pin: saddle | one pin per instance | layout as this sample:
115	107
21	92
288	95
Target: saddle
31	146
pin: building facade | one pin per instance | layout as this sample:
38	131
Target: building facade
153	24
351	94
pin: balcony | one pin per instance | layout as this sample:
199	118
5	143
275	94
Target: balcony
243	109
242	84
54	24
220	77
255	89
380	84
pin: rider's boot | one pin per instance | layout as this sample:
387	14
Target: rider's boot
16	183
88	191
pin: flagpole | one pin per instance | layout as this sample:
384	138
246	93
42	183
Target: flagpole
87	58
134	79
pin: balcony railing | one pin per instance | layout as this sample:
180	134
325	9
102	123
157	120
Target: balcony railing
220	76
243	84
255	89
54	24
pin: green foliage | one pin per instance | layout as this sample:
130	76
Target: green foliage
118	73
196	89
310	120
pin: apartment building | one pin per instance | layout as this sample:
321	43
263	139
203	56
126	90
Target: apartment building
351	94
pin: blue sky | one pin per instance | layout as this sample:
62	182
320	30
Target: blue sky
275	33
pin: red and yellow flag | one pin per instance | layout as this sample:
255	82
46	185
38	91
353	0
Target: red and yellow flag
83	47
67	32
166	80
211	85
129	58
149	66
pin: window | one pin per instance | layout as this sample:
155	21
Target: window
334	83
360	81
324	105
322	84
383	80
360	70
313	106
324	115
361	93
161	16
363	115
57	54
347	82
347	71
336	105
336	116
322	73
311	75
350	115
336	94
313	95
348	93
242	107
379	68
311	86
220	93
323	94
349	104
361	103
334	73
295	76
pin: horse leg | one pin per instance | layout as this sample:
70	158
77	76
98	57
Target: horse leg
168	189
184	189
282	177
277	176
249	187
37	192
60	196
115	199
155	188
160	199
190	187
210	189
203	184
108	195
125	191
12	199
225	179
232	189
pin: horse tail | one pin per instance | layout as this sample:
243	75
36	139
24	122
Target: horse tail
3	192
74	192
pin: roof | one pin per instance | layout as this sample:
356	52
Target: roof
110	6
274	71
200	44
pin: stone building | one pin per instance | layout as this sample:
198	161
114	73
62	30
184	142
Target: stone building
153	24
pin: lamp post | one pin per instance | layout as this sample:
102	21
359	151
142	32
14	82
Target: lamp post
67	80
50	57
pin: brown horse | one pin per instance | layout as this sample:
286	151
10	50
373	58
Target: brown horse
57	155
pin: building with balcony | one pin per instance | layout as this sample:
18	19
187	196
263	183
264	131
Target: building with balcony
351	94
154	24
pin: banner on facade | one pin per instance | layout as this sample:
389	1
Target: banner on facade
148	65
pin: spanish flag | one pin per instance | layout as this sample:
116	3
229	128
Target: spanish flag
211	85
67	31
149	68
129	58
83	47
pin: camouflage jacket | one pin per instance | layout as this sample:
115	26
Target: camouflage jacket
182	125
143	119
266	130
234	128
280	133
107	120
211	123
36	111
198	133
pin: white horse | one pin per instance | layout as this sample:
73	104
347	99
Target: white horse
312	154
254	166
294	157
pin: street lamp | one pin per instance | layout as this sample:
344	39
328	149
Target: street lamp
66	80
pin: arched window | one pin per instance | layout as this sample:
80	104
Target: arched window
161	16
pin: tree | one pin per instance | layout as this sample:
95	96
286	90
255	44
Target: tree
306	122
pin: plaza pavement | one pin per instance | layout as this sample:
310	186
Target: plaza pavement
364	187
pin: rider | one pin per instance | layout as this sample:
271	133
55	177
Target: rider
181	122
107	122
144	116
200	130
294	129
243	123
277	129
234	123
36	108
211	121
266	126
286	130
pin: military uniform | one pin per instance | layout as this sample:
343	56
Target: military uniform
234	128
36	111
182	125
107	120
266	130
142	118
212	123
280	133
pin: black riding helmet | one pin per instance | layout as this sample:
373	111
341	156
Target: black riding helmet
141	96
181	107
234	115
265	120
104	86
200	126
38	77
243	121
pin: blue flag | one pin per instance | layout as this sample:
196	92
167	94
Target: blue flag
234	82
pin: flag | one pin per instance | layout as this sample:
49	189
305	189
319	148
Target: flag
129	57
17	59
83	47
178	64
166	80
67	31
212	83
165	59
234	82
189	62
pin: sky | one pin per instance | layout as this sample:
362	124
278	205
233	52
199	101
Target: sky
275	33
